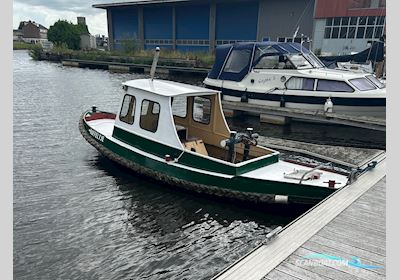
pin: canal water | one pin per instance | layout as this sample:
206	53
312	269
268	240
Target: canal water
79	216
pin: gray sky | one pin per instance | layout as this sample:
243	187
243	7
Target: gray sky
46	12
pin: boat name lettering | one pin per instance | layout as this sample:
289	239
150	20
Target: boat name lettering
96	135
266	80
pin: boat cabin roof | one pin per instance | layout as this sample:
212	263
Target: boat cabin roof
168	88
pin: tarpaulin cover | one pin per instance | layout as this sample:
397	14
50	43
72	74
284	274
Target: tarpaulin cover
375	53
223	52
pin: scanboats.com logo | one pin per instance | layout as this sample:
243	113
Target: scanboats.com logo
328	260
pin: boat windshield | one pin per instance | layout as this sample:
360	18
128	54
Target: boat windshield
314	60
305	61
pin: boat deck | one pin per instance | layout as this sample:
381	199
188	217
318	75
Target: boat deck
351	222
103	126
276	172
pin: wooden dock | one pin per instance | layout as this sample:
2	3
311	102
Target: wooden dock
134	67
320	116
350	222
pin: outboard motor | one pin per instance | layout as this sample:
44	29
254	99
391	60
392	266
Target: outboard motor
248	139
230	143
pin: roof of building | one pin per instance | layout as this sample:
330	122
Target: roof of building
168	88
22	23
117	3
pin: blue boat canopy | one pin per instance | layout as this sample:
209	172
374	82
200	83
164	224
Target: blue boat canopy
234	61
375	53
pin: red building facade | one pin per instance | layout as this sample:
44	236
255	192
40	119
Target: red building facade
346	26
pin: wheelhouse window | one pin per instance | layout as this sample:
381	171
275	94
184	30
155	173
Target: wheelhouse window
179	106
201	109
335	86
298	83
362	84
237	61
127	114
149	115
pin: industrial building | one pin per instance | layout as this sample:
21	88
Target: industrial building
201	25
347	26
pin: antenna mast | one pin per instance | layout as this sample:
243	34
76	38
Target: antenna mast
154	65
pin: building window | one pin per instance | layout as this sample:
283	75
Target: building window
149	115
353	21
327	33
378	32
237	61
369	32
201	109
354	27
345	21
297	83
352	32
362	20
343	32
335	32
179	106
297	40
334	86
360	32
380	20
371	21
127	114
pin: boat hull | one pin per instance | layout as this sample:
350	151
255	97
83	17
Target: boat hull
231	187
370	107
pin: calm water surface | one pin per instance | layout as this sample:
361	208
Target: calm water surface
79	216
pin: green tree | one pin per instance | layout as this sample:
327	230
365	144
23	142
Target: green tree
64	32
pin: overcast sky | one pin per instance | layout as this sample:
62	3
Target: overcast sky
46	12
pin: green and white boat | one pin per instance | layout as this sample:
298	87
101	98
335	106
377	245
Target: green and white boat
177	133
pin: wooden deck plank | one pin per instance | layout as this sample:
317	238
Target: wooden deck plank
327	272
373	256
263	259
354	271
365	256
358	239
378	225
360	226
351	226
279	275
300	272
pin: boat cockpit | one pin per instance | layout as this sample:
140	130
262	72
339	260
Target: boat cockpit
201	128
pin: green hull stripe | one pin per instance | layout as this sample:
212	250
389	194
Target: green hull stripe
242	184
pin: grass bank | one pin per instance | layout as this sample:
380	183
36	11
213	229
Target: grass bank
23	46
167	57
